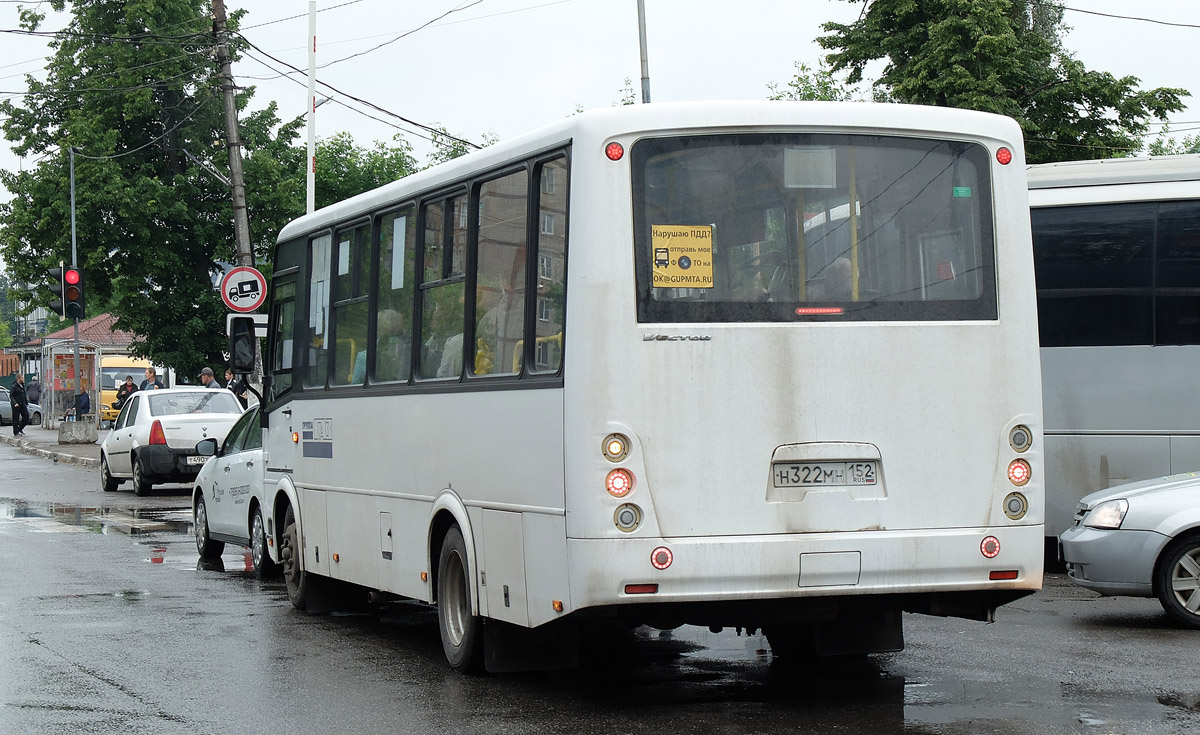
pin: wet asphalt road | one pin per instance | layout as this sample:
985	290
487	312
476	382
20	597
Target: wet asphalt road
105	630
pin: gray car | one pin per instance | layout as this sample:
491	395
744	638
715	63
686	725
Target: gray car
35	410
1140	539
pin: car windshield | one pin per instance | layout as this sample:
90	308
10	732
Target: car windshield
208	401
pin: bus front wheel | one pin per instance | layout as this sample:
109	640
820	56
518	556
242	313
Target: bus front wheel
462	632
293	572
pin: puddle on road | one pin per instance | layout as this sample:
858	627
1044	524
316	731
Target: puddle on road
166	533
51	517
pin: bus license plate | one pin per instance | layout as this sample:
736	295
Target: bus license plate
197	459
816	474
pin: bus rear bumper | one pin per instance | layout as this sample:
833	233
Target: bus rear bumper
916	566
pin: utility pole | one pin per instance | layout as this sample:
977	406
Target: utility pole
312	106
241	221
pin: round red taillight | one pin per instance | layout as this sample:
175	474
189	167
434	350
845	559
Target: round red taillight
1019	472
1004	156
619	482
990	547
614	151
661	557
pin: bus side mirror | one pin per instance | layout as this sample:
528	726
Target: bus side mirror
242	345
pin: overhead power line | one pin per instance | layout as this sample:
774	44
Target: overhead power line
372	105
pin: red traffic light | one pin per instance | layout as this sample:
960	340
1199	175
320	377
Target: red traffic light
72	276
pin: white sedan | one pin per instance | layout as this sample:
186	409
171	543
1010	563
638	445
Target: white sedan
154	437
228	494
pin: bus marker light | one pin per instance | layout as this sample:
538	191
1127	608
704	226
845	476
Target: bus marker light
616	447
614	151
807	310
641	589
990	547
1006	574
1004	156
661	557
295	438
557	605
619	482
1019	472
424	576
336	557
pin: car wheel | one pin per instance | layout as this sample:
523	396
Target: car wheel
205	546
263	565
461	631
35	419
140	485
107	482
294	575
1177	580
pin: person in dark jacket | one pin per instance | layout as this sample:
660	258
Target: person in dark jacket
33	391
127	389
20	406
237	387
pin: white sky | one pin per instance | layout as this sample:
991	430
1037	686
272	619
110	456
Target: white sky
508	66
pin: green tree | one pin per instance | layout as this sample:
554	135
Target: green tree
345	169
132	88
1165	145
446	147
814	84
7	313
1001	56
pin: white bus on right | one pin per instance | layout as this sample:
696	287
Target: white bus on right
1117	256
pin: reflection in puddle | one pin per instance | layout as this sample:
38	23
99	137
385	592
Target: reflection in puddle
57	517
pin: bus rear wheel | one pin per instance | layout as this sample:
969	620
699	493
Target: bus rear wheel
293	573
461	631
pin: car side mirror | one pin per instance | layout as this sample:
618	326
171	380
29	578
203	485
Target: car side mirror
206	447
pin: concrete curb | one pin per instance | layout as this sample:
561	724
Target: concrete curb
29	447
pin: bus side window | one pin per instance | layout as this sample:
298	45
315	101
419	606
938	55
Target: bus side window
500	275
443	292
393	319
551	282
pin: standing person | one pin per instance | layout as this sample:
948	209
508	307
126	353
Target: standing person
20	406
237	387
33	391
208	379
151	382
127	389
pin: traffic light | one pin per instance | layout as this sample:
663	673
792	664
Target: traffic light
57	287
73	295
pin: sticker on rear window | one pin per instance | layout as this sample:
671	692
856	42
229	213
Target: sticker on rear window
682	256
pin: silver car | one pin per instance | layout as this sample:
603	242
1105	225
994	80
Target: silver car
35	410
1140	539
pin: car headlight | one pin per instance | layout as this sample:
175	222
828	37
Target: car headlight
1109	514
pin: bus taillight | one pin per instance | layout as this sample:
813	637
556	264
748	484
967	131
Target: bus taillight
614	151
990	547
661	557
1004	156
619	482
1019	472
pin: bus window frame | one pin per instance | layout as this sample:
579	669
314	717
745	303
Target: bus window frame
357	277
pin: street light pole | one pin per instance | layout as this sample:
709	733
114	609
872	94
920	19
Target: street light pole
312	105
642	44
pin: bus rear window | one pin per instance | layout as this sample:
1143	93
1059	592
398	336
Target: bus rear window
796	227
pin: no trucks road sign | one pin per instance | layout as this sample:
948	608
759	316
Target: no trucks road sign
243	289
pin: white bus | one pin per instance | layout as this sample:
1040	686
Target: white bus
1117	251
766	365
